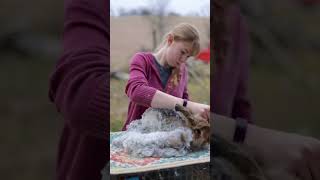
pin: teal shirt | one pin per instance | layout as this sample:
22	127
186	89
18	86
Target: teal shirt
164	73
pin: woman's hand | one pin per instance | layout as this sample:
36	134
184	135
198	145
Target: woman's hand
198	108
285	155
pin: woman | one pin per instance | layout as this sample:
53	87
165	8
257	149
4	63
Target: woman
159	79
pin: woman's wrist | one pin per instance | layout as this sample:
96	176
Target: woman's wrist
164	100
190	105
179	101
185	103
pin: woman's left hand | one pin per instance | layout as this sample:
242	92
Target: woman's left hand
197	108
206	114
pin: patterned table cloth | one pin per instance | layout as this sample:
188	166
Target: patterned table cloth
122	163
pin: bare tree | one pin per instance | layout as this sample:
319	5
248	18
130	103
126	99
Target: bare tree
156	18
205	11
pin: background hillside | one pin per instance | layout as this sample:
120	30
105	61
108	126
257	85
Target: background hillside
130	34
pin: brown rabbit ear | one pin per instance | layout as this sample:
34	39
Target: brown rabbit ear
205	130
187	114
183	110
178	107
203	124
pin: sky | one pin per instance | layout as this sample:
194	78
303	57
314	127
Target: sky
182	7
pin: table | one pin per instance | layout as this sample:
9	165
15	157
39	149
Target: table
121	163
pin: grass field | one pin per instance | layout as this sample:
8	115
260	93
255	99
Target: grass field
129	35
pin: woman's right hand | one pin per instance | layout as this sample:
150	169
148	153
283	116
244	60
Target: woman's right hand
198	108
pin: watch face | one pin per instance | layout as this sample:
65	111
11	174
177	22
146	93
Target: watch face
184	102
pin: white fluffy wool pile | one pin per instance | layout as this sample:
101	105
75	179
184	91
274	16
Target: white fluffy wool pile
156	135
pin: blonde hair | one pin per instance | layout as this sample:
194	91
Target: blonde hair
186	33
183	32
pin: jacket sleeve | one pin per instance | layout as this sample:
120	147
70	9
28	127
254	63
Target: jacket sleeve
79	82
137	88
242	104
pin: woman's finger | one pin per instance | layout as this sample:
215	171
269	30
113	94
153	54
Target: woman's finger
205	114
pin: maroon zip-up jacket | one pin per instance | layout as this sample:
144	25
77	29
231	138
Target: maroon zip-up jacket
145	80
79	87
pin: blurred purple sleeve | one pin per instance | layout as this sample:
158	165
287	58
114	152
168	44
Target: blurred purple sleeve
242	104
